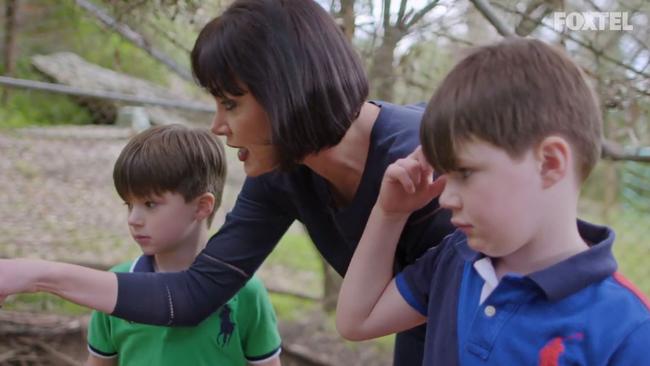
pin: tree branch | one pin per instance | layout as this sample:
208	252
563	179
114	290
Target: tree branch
421	13
135	38
611	150
542	8
484	8
599	53
400	13
386	14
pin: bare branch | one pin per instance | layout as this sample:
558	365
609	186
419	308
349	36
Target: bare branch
421	13
386	14
453	38
135	38
537	9
590	47
400	13
489	14
632	35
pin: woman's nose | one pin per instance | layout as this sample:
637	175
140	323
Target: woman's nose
219	125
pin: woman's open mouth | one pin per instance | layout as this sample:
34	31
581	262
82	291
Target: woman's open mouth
242	154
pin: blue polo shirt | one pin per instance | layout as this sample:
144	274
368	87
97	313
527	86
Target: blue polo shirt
577	312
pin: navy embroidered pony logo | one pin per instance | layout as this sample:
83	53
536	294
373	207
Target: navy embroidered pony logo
227	326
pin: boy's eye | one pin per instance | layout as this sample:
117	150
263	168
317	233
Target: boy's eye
128	205
150	204
464	173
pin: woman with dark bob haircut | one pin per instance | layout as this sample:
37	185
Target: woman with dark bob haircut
291	97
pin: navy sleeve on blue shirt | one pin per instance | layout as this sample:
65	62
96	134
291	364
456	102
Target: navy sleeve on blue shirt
414	281
249	234
435	274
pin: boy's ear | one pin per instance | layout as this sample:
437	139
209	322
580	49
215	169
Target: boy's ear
554	154
205	205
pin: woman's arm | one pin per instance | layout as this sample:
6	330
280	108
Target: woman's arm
249	234
84	286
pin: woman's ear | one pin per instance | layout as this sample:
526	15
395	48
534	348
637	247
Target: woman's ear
205	206
555	157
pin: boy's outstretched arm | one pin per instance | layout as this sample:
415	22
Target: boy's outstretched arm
84	286
369	304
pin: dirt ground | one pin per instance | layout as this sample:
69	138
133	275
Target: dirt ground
57	202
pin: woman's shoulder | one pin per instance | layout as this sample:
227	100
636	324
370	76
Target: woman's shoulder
396	132
400	116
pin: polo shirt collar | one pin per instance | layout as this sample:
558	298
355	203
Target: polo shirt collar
583	269
574	273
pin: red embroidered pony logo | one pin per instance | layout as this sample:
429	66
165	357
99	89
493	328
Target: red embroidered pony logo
550	354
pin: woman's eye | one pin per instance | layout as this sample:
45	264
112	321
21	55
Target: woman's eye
228	104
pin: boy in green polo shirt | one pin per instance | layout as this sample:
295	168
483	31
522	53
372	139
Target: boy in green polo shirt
171	179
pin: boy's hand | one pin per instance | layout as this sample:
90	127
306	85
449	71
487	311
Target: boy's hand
408	185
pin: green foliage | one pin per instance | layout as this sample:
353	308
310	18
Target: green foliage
296	251
635	190
78	32
420	70
42	302
58	27
27	108
288	308
632	248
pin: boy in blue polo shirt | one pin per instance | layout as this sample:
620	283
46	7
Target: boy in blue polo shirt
171	179
516	130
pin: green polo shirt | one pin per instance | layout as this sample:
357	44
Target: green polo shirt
242	331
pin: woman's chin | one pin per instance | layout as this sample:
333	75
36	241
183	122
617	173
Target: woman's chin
254	170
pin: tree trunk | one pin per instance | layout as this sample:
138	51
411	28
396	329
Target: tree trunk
382	73
331	287
331	280
346	13
9	56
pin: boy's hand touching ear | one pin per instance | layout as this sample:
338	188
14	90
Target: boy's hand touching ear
408	185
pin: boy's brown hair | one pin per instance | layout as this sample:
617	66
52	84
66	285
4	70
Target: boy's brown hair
513	94
172	158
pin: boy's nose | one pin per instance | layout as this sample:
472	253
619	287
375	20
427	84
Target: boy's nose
449	199
135	219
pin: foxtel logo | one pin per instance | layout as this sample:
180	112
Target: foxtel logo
592	20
